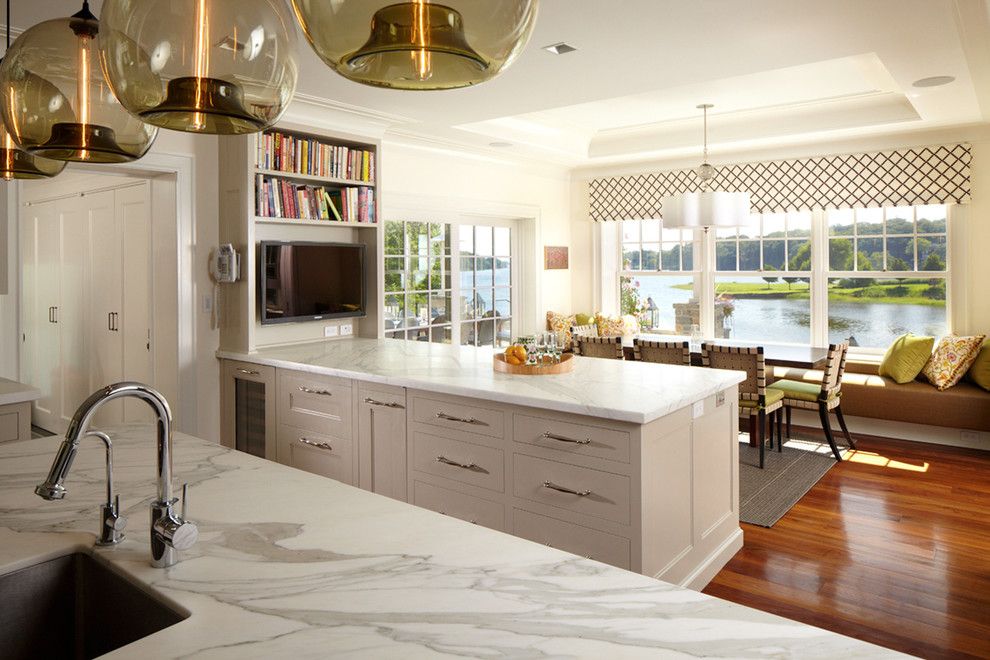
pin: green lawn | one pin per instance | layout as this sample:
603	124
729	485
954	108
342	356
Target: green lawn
898	293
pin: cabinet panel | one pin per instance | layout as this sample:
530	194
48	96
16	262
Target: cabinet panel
572	538
459	416
315	403
47	348
461	461
382	440
581	439
473	509
595	493
317	453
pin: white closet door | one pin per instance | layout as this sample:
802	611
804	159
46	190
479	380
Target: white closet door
133	213
40	355
107	363
76	216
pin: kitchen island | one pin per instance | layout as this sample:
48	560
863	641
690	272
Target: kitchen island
630	463
290	564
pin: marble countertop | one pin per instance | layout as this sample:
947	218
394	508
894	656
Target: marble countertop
13	392
289	564
637	392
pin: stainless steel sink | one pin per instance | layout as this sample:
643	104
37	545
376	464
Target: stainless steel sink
75	607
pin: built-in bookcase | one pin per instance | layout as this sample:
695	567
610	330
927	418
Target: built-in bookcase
291	183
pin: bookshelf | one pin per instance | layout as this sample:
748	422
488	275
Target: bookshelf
280	185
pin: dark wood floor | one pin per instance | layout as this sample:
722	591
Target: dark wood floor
891	547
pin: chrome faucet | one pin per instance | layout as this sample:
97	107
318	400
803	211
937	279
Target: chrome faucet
169	532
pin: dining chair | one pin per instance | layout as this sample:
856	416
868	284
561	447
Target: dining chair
823	397
755	399
662	352
600	347
589	330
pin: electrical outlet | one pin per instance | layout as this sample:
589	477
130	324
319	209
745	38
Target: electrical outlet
330	331
698	409
346	329
969	437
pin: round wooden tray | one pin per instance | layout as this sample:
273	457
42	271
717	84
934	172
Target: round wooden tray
566	365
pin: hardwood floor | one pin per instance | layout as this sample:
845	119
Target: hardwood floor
891	547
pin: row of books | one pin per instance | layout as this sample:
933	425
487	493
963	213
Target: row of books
277	198
288	153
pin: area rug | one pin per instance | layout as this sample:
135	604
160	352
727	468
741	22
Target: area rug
766	495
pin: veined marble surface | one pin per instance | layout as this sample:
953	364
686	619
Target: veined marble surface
289	564
637	392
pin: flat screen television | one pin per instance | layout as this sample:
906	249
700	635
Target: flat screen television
311	281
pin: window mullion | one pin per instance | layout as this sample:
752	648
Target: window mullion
819	278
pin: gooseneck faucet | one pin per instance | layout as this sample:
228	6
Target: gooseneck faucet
169	532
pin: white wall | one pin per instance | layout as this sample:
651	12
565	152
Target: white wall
455	179
969	300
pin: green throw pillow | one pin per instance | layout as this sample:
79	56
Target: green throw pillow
979	371
583	319
906	357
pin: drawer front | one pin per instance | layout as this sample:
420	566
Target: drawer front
10	425
315	403
582	541
473	419
459	505
460	461
573	438
317	453
596	493
387	396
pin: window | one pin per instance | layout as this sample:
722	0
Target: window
866	275
440	291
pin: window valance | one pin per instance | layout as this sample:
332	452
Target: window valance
921	175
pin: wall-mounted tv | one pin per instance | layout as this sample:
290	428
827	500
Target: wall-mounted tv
310	281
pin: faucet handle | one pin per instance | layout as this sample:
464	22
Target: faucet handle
176	533
185	499
119	520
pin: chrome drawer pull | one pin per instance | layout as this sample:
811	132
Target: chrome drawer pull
320	392
249	372
552	436
466	466
319	445
563	489
388	404
462	420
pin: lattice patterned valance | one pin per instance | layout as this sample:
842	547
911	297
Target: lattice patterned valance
922	175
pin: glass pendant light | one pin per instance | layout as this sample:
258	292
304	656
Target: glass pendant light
201	66
57	102
16	163
705	208
418	44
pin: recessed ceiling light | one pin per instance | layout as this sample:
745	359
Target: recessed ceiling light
934	81
500	144
560	49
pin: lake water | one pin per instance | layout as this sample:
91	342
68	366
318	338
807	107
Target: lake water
872	324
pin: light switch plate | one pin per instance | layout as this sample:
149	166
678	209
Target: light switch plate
346	329
207	303
330	331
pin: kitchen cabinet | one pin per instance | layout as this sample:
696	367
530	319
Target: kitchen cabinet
382	439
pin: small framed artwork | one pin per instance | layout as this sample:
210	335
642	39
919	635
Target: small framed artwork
555	257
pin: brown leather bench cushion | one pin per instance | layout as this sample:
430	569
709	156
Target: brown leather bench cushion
865	394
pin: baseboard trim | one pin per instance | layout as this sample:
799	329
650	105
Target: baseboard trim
936	435
699	578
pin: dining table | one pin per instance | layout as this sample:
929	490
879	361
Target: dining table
798	356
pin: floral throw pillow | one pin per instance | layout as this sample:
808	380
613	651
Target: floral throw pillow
951	359
560	323
609	326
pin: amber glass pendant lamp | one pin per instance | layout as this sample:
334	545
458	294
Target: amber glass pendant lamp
201	66
15	163
417	45
57	103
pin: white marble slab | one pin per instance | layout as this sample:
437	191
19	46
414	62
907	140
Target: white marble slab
291	565
13	392
637	392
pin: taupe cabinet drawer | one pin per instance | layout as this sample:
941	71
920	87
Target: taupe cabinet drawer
458	416
572	487
459	505
569	537
461	461
315	403
317	453
574	438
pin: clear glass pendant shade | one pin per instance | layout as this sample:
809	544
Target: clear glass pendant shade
201	66
418	45
15	163
57	103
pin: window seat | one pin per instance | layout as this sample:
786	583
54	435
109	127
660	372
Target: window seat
866	394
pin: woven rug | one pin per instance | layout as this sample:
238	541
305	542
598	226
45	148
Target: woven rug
766	495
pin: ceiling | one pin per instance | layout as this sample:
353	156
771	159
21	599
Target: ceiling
776	70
